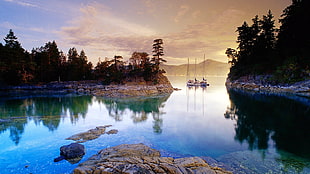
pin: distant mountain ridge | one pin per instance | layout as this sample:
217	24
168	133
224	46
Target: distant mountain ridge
207	68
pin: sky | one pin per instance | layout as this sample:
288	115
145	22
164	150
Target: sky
105	28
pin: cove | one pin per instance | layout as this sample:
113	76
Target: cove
262	133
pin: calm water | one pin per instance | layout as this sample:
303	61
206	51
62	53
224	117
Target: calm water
262	133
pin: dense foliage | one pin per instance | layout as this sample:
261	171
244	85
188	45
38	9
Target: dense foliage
266	50
48	63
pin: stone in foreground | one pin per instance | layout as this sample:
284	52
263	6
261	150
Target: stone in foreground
72	153
139	158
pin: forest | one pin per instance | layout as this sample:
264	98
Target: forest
47	63
281	54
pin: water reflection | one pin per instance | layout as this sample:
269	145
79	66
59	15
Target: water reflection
140	108
263	121
16	113
49	111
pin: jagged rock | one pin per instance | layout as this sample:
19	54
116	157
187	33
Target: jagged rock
139	158
88	135
72	153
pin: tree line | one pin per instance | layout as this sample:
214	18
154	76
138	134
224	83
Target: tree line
47	63
280	52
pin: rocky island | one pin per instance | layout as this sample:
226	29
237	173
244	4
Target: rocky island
94	87
141	75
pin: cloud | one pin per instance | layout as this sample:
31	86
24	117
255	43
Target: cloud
210	38
7	25
22	3
181	13
102	33
98	31
196	14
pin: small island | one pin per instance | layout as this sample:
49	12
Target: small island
270	59
49	70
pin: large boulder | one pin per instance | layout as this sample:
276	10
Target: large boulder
139	158
72	153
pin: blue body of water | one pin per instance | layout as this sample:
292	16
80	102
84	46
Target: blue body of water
262	133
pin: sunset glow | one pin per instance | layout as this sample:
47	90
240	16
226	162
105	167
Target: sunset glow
120	27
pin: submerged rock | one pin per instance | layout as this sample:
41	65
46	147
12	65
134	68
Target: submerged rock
72	153
89	135
139	158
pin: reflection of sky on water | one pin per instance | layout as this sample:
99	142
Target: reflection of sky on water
200	126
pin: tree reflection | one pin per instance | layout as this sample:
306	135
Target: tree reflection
260	118
140	108
16	113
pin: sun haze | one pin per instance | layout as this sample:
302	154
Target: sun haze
120	27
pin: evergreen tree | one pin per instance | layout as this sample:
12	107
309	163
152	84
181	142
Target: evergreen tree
267	34
158	51
294	39
11	41
48	62
86	67
78	67
256	53
15	68
264	48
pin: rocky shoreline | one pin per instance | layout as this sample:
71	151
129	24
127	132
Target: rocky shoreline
132	158
95	88
301	89
139	158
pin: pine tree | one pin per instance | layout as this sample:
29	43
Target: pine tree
15	61
11	41
158	51
294	38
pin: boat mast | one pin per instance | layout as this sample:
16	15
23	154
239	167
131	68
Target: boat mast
195	67
204	61
187	73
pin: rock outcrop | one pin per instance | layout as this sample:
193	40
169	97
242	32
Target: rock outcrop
139	158
91	134
96	88
252	84
72	153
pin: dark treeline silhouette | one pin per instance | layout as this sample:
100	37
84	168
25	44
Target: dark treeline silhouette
48	63
266	50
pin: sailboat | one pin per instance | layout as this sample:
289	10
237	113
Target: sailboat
204	82
190	82
196	82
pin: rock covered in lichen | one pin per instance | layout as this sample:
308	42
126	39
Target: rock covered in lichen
139	158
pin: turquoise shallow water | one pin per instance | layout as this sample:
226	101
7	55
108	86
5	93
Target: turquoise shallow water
258	132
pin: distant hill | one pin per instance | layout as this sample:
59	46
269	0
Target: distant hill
207	68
